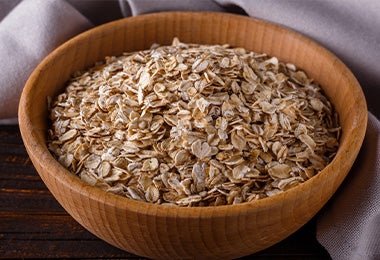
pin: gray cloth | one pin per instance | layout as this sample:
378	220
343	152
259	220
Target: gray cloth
27	34
348	28
348	225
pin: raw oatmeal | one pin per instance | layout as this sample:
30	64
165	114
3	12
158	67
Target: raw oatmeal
193	125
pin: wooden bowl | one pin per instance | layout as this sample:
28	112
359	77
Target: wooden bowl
156	231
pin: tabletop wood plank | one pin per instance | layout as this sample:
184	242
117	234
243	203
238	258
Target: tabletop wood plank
34	225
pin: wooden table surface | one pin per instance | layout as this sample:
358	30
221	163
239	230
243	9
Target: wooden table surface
34	225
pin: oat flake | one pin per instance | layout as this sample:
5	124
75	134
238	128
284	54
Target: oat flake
193	125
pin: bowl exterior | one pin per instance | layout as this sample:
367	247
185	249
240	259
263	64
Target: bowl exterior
170	232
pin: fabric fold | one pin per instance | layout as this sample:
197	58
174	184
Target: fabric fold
348	227
136	7
27	34
349	29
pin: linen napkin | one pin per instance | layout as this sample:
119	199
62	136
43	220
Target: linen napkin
348	226
28	33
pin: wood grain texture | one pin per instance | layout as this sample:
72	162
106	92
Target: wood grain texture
214	232
33	224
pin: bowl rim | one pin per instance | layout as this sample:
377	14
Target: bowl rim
65	177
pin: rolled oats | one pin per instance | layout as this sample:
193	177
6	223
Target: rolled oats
193	125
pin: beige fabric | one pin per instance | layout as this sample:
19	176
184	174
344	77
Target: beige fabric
348	227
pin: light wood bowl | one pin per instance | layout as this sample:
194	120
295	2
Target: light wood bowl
156	231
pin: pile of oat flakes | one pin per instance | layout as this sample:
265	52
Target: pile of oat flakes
193	125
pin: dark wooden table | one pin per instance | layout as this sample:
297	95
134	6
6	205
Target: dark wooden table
34	225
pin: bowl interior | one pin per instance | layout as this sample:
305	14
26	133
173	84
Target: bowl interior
293	208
